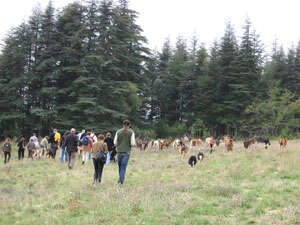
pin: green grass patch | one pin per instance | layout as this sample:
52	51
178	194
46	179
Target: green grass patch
242	187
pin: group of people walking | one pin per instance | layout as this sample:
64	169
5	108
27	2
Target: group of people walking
100	149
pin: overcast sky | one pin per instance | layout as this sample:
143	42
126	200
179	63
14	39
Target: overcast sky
169	18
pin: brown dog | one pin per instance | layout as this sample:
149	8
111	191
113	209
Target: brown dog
249	143
282	143
183	150
229	144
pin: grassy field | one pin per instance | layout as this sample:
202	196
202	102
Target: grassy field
242	187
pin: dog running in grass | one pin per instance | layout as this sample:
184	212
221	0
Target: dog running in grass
193	160
200	156
282	143
183	150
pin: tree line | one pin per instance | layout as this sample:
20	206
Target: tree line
88	66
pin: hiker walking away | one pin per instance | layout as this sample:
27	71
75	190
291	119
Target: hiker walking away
100	145
63	152
31	147
124	140
44	145
80	137
35	140
21	146
110	144
94	139
7	150
54	140
71	144
87	143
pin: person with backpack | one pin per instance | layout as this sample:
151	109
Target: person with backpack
31	147
99	152
63	152
87	144
21	146
35	140
54	143
7	150
71	144
80	137
110	144
124	140
94	138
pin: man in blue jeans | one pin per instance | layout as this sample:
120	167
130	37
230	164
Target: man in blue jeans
63	152
110	145
124	140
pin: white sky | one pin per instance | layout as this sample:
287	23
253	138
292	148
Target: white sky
170	18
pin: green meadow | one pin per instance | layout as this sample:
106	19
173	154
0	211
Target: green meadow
256	186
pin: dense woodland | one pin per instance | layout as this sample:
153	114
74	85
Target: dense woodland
88	66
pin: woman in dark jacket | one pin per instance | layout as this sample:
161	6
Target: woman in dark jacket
71	145
7	150
21	146
110	145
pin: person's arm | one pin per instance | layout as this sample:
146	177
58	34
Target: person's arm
112	143
133	142
66	141
105	148
91	143
93	148
116	138
77	140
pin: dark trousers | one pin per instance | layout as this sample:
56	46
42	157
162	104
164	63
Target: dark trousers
53	153
21	154
6	157
43	152
72	156
53	150
98	165
123	159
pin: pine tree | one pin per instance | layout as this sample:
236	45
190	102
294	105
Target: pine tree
197	85
45	71
296	81
13	65
228	106
72	79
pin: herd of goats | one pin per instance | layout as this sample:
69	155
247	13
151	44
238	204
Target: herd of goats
184	144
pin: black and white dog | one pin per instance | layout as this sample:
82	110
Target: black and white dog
193	160
200	156
263	140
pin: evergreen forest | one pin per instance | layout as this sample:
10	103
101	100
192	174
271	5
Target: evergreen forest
89	66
